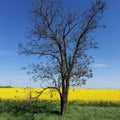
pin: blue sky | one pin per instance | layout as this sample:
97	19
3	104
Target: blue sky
14	19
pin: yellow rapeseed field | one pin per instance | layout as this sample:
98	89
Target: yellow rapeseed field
79	95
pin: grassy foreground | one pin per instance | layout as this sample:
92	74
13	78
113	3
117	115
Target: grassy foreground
27	110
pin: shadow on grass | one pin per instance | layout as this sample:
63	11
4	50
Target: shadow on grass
32	107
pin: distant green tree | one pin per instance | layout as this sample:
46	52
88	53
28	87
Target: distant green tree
62	36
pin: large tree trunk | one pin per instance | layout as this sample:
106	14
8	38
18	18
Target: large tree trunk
64	101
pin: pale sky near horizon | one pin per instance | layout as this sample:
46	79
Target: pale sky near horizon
14	19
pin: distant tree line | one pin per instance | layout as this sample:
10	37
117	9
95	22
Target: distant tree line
6	87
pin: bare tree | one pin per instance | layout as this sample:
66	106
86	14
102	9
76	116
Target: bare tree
63	38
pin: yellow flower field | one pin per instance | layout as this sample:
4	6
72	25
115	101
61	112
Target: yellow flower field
79	95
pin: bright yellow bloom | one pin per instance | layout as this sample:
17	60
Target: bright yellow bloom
79	95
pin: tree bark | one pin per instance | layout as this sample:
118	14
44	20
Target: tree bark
64	101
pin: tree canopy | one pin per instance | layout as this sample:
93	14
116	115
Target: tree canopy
63	38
